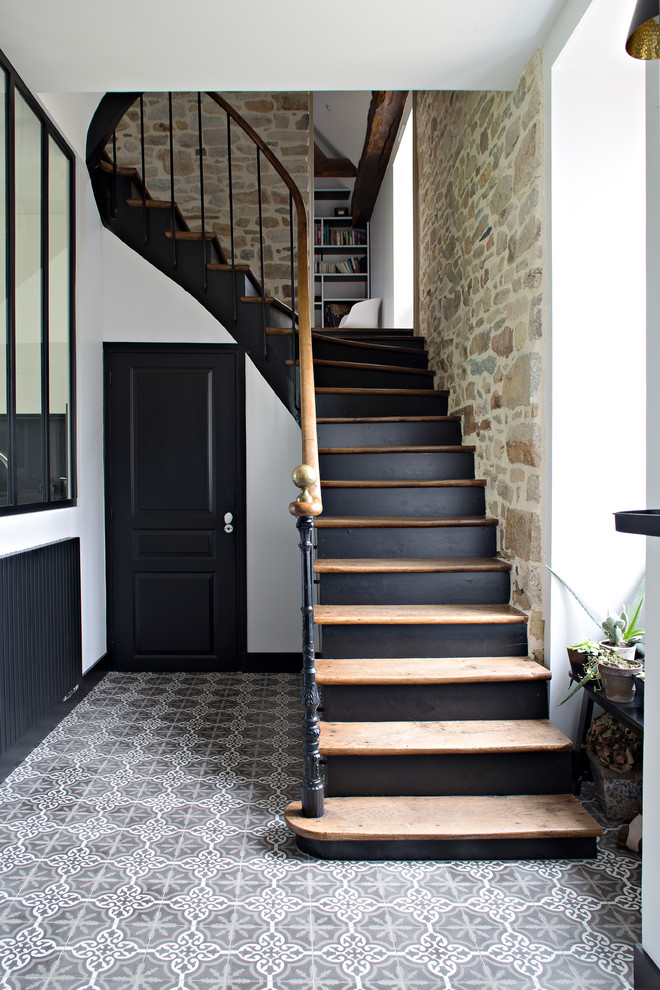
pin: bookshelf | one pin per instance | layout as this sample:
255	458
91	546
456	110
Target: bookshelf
341	258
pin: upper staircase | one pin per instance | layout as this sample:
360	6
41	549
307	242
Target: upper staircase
435	737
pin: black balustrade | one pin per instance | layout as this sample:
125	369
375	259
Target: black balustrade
312	784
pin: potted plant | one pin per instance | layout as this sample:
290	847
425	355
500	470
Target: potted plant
578	654
589	673
622	632
617	675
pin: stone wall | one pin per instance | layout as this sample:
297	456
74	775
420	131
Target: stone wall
281	119
481	254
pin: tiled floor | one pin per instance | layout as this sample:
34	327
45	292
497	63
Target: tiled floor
142	848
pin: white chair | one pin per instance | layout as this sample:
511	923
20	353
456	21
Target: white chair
363	315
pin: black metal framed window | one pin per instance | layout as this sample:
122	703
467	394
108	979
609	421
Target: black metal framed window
37	331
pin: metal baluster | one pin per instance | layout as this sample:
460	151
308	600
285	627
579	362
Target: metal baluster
201	185
261	253
172	206
231	219
294	347
114	174
145	212
312	784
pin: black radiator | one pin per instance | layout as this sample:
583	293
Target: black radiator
40	638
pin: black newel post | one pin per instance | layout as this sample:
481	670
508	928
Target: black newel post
312	785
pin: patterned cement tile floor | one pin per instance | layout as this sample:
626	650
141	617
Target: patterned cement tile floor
142	848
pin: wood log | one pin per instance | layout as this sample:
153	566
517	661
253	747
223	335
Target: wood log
383	121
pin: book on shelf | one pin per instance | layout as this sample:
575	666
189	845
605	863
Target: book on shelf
339	236
333	313
347	266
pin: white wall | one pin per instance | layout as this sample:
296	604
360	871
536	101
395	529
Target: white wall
140	304
595	134
391	233
651	860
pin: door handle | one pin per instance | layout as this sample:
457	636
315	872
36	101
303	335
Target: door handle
228	522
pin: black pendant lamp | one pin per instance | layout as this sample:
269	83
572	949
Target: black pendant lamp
644	32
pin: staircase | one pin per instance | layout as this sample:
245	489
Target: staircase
435	738
435	733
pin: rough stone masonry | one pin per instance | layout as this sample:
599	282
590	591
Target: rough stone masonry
481	258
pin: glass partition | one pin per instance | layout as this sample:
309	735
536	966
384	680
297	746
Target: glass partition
59	371
27	306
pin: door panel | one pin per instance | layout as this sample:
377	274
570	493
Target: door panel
174	466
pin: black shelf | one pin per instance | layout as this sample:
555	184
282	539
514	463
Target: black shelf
645	522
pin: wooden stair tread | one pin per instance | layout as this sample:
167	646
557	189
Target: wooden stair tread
413	615
430	670
521	816
334	390
393	522
257	299
440	448
407	483
408	565
151	204
460	737
397	369
128	170
365	346
388	419
218	267
190	235
336	333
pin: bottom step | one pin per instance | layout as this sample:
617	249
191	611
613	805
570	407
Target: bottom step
473	827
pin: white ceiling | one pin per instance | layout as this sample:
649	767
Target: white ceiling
92	46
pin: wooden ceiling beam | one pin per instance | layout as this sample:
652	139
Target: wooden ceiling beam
332	168
385	112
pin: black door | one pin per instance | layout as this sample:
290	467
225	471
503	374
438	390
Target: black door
175	533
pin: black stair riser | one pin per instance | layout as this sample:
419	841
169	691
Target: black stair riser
448	850
435	702
347	377
458	501
387	434
408	541
497	640
334	350
447	774
460	588
361	404
437	466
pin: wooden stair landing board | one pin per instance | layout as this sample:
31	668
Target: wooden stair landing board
387	419
445	448
394	522
413	615
335	390
440	738
408	565
520	816
430	670
407	483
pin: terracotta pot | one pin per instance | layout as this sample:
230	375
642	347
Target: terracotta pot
618	682
625	652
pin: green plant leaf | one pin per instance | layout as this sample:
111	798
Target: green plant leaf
592	615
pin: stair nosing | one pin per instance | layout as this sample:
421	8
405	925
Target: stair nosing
411	565
433	670
336	390
418	615
442	737
407	818
406	483
348	420
403	522
440	448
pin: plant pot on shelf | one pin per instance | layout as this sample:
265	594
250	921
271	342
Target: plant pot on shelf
576	659
639	689
625	651
618	682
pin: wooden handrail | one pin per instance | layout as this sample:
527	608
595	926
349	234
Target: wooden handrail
310	448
